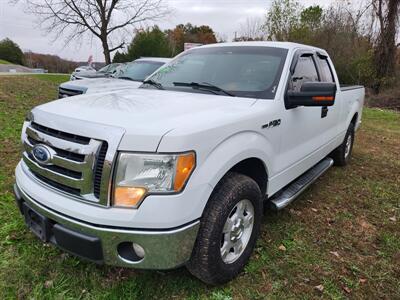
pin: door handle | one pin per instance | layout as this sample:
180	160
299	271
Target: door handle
324	111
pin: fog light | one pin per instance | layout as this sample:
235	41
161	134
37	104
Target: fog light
138	250
131	252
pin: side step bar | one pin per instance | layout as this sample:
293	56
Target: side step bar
294	189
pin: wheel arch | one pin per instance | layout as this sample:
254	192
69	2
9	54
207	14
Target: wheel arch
247	153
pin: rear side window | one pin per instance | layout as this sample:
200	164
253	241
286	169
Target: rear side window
305	71
326	72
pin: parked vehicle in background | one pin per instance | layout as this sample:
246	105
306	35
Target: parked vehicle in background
178	172
82	70
106	71
129	75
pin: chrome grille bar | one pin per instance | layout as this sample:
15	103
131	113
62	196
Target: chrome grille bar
60	161
65	180
63	144
62	170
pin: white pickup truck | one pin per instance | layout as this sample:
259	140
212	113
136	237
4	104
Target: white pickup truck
178	171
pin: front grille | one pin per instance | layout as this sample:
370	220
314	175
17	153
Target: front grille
62	135
57	185
63	92
62	153
76	165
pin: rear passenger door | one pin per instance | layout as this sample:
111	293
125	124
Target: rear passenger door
329	115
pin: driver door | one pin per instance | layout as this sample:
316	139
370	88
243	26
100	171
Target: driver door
303	130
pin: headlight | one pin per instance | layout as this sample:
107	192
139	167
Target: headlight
138	175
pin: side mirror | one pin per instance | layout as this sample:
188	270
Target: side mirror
312	94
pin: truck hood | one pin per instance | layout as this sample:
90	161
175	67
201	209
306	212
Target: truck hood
146	115
99	85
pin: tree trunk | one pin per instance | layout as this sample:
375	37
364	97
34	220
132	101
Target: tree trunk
385	51
106	50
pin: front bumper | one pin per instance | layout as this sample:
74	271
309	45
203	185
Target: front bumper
164	249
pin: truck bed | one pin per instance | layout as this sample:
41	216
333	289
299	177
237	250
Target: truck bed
348	87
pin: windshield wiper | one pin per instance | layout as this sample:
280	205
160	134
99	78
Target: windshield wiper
125	77
204	86
154	83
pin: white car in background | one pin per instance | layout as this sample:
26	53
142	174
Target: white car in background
106	71
82	70
131	75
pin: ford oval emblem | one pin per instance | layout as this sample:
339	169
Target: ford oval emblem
42	154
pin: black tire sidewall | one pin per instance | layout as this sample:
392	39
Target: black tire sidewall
207	253
350	131
237	266
338	154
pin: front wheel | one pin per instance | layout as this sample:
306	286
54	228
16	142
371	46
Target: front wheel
228	231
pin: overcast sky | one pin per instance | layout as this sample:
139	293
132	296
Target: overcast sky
224	16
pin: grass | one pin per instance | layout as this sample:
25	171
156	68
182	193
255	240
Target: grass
340	235
4	62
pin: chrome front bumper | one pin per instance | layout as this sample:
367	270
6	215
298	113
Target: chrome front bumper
164	249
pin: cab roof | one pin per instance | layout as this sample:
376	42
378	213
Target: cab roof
284	45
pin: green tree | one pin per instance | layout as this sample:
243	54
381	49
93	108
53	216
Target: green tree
338	29
11	52
282	18
120	57
311	17
149	42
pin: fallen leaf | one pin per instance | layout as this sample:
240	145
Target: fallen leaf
347	290
362	280
334	253
264	275
282	248
319	288
314	210
393	219
48	284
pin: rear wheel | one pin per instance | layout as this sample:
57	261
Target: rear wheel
228	231
342	154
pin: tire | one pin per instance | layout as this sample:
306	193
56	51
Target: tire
234	194
342	154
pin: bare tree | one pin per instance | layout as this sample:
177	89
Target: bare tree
251	30
103	19
387	13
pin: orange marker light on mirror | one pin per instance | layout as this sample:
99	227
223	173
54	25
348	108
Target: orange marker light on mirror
322	98
184	167
125	196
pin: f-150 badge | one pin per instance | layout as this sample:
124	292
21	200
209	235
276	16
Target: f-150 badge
271	124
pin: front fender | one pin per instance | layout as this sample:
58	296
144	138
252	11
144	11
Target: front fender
231	151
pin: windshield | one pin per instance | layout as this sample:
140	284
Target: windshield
249	71
111	68
138	70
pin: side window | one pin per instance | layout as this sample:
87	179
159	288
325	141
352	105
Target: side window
326	71
305	72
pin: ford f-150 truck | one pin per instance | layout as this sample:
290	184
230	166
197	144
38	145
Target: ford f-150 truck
130	75
178	172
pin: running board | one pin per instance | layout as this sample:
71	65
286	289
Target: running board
294	189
